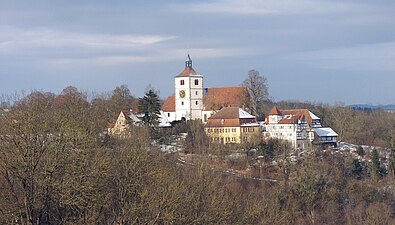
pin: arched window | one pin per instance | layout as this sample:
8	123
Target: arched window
196	82
182	82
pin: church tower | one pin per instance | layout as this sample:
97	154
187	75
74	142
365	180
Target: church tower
188	87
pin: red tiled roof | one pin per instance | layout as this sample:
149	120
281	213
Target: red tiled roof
227	113
222	123
274	111
228	117
289	119
300	113
170	104
126	113
187	72
219	97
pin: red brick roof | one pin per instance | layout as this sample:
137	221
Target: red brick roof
170	104
187	72
219	97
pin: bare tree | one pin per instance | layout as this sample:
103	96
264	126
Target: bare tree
257	89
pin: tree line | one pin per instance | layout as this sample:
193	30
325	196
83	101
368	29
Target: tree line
58	167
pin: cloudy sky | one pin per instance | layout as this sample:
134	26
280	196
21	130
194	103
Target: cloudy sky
309	50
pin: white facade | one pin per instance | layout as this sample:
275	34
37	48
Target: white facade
171	116
294	126
291	132
188	87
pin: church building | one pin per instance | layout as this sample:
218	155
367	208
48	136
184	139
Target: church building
192	101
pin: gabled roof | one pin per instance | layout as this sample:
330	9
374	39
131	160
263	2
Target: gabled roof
291	116
188	71
228	113
169	105
219	97
290	119
274	111
325	132
231	117
301	112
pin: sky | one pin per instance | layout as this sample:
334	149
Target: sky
321	51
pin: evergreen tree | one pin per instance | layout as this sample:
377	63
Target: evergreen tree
391	163
360	151
357	168
150	107
376	169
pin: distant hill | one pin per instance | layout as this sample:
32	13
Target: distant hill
368	107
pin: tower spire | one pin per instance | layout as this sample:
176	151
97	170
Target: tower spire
188	62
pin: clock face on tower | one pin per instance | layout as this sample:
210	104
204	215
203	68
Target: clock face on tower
182	94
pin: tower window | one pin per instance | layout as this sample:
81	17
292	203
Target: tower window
196	82
196	92
182	103
196	103
182	82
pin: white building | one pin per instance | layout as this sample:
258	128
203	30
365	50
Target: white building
300	127
188	93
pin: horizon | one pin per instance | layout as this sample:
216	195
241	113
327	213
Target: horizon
313	51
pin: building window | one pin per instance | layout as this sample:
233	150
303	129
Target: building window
205	117
196	92
196	103
182	103
196	82
182	82
168	114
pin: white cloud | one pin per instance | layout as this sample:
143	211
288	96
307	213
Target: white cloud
58	48
164	55
15	40
370	57
274	6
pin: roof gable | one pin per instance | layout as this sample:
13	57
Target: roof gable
274	111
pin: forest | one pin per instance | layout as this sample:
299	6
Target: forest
58	166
